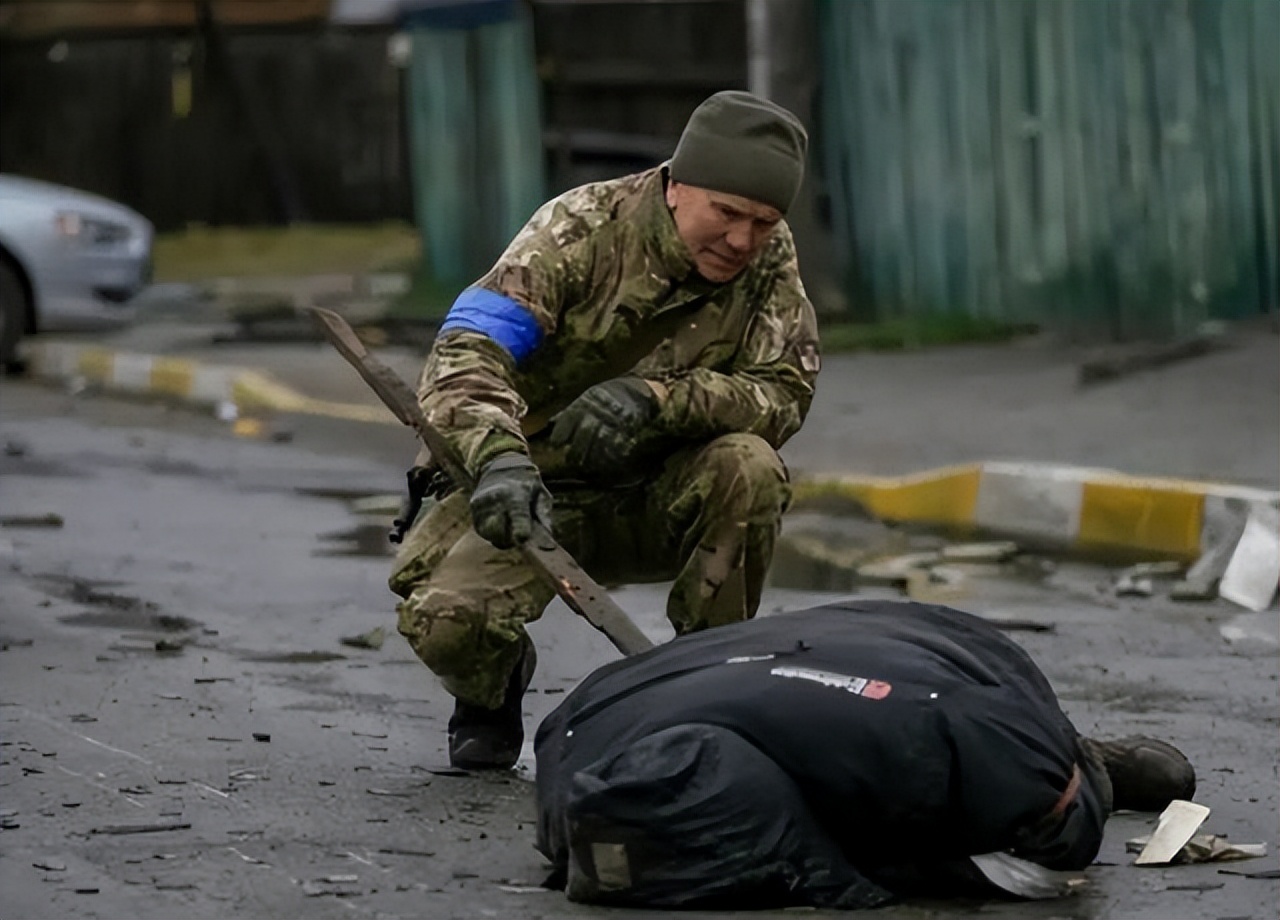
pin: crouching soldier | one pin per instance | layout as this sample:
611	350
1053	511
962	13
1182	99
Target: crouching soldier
625	373
835	757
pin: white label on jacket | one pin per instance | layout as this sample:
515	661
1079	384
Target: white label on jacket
861	686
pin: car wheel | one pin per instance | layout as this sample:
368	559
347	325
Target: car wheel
13	317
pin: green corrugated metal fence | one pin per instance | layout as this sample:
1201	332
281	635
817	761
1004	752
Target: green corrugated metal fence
475	137
1107	169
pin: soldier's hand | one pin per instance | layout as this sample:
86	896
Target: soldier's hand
601	429
509	496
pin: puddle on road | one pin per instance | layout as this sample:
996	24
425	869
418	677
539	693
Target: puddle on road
116	611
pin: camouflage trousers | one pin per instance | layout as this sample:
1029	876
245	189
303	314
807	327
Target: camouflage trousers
708	519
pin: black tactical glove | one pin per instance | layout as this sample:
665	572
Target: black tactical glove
602	428
508	497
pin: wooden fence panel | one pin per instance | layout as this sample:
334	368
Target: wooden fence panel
110	114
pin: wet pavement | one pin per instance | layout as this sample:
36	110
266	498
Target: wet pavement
184	732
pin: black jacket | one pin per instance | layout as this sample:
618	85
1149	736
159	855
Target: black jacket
912	734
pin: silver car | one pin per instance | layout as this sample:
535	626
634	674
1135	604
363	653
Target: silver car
68	260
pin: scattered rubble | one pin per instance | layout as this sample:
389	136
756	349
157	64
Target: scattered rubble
1203	848
372	639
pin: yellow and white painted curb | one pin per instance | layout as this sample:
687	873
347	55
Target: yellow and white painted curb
188	381
1068	508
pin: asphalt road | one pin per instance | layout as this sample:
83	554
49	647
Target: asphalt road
262	768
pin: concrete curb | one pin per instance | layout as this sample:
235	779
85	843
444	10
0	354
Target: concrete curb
187	381
1071	509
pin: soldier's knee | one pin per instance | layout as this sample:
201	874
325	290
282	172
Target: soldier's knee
747	473
439	634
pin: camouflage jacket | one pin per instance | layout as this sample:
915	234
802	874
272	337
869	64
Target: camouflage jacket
613	290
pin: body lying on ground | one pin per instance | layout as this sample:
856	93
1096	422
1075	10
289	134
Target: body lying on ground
838	757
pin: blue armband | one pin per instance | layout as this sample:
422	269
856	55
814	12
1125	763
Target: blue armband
502	319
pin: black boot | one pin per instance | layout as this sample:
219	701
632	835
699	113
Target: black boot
1146	774
490	739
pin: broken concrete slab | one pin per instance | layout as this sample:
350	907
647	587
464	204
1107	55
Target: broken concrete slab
1223	523
1253	573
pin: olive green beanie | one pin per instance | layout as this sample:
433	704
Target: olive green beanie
741	144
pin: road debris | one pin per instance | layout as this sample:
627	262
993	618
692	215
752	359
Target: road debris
1203	848
50	865
1258	629
372	639
42	520
1259	873
1253	574
7	643
261	736
896	570
941	584
121	829
334	886
996	551
1114	361
1176	826
1140	580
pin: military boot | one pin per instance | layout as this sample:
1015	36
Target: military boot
490	739
1146	774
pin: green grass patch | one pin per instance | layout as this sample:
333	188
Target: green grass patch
916	332
200	253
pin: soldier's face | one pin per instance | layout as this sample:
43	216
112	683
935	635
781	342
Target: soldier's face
723	232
